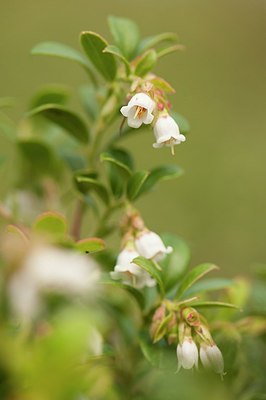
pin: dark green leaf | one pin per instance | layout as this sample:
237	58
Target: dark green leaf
64	118
145	63
89	101
50	95
113	157
92	184
151	268
51	224
135	184
117	53
175	263
212	304
182	122
56	49
162	173
126	35
93	45
153	41
193	276
90	245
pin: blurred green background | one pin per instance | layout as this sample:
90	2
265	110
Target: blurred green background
219	205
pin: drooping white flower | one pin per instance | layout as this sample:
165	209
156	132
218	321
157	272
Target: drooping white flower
187	354
130	273
212	358
139	110
167	132
151	246
49	269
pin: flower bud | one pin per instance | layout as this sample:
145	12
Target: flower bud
187	354
139	110
151	246
212	358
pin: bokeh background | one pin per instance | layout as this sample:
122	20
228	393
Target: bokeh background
219	205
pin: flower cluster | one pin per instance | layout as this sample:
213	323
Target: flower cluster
138	241
185	326
143	109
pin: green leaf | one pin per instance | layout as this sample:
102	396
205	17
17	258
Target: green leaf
51	224
145	63
169	50
53	94
208	285
212	304
162	328
117	53
65	119
135	184
92	184
130	289
93	45
160	83
152	41
182	122
126	35
161	173
90	245
38	154
88	96
193	276
56	49
112	157
175	263
151	268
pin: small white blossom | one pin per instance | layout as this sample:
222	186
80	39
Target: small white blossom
151	246
130	273
187	354
212	358
166	132
139	110
49	269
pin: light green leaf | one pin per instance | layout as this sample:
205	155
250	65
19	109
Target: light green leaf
151	268
51	224
161	173
212	304
56	49
135	184
130	289
160	83
117	53
126	35
207	285
90	245
52	94
93	45
193	276
145	63
182	122
67	120
93	184
152	41
175	263
169	50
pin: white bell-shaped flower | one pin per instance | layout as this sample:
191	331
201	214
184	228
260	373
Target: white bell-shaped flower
139	110
151	246
166	132
187	354
212	358
130	273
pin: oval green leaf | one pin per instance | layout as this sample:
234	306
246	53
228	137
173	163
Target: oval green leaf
126	35
90	245
152	41
161	173
92	184
212	304
93	45
193	276
145	63
118	54
52	94
135	184
51	224
65	119
151	268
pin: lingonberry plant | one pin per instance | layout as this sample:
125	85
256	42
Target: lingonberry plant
80	318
